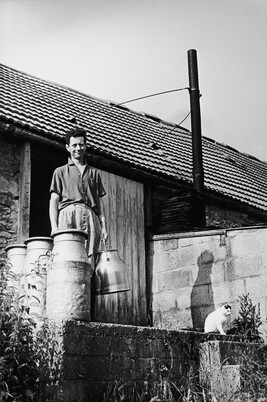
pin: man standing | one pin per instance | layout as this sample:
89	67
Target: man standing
76	195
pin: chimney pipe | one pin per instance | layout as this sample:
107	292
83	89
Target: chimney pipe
198	171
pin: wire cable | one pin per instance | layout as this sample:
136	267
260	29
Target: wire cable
188	114
155	94
149	96
170	131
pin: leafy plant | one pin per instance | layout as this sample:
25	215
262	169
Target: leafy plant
18	370
247	324
49	355
251	359
29	358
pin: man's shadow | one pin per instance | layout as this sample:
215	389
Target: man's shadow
202	301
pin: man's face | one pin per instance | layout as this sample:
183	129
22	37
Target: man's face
76	148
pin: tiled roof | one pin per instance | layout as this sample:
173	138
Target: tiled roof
135	139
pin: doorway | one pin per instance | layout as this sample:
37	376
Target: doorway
44	160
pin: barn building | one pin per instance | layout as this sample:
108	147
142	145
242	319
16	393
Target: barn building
146	167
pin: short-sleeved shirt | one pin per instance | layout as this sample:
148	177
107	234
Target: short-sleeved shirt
74	187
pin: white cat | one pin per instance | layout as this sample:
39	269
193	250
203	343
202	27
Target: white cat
215	320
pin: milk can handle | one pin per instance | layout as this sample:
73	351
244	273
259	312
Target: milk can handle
104	244
105	249
48	259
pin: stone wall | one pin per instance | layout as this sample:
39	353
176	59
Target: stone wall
96	355
97	358
9	195
233	371
192	273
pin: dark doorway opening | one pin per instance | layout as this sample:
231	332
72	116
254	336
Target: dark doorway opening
44	160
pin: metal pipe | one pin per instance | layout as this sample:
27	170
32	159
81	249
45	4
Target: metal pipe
198	171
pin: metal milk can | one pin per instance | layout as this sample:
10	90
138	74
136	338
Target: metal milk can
69	279
111	275
16	254
32	292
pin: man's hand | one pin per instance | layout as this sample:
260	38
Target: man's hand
104	233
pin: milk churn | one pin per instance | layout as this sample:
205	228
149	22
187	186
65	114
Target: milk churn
32	292
16	254
111	275
69	279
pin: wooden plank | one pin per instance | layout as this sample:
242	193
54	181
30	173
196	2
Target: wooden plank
143	315
124	205
24	193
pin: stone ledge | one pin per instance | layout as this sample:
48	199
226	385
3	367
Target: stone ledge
207	232
97	354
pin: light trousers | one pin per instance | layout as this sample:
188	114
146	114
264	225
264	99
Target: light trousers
79	216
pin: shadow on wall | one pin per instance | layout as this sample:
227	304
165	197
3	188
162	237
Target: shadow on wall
202	301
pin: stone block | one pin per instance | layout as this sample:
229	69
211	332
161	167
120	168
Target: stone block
188	256
248	241
229	270
173	319
256	287
155	285
174	279
264	261
237	288
8	188
222	380
249	265
188	241
77	390
221	364
160	262
174	259
217	272
92	368
183	298
221	294
215	244
202	295
226	383
165	301
170	244
155	246
87	344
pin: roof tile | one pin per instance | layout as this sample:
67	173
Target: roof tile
129	136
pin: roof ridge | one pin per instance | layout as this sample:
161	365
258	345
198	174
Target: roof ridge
100	100
136	138
229	147
53	83
120	106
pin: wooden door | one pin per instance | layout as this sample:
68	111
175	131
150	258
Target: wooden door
124	205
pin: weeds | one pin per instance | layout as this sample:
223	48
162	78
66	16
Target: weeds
29	357
246	325
252	358
159	386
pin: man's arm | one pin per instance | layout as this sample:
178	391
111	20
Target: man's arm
102	218
53	212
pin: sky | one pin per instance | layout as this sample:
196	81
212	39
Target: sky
119	50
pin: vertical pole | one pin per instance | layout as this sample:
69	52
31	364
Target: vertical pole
24	193
198	171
